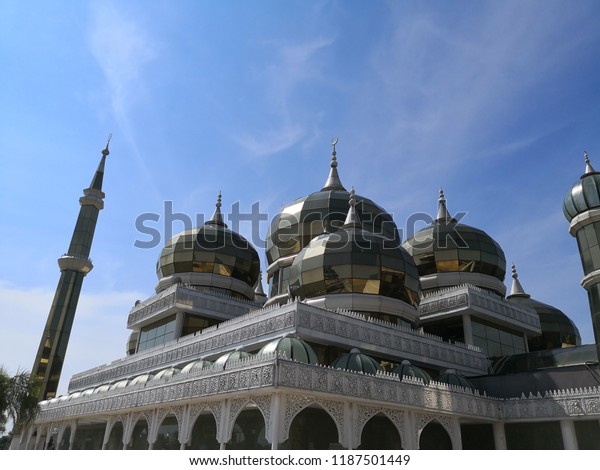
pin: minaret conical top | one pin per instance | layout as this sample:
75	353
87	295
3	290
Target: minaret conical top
589	169
516	289
443	215
352	219
217	217
333	181
99	175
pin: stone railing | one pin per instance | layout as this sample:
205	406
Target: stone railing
559	403
269	370
227	305
465	296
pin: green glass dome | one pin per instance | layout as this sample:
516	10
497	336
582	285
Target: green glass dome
584	195
447	246
293	348
354	260
406	369
357	362
452	377
196	366
210	249
230	357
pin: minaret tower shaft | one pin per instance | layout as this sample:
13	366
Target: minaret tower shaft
74	265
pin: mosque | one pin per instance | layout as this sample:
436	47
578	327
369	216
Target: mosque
362	340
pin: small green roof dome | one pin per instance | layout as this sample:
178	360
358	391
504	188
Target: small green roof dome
583	195
452	377
293	348
232	356
406	369
357	362
196	366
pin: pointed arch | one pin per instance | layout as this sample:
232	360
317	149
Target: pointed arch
364	413
380	433
295	404
247	421
435	436
313	427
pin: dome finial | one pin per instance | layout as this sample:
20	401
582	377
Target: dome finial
105	152
443	215
516	289
588	166
352	219
333	181
217	217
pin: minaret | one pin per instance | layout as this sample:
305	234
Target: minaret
581	207
74	265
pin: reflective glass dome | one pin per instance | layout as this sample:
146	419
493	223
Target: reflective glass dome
353	260
305	218
584	195
212	249
558	331
452	247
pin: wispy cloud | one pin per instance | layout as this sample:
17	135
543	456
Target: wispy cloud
122	49
294	65
448	85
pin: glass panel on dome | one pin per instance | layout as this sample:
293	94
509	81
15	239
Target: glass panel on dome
203	267
343	271
446	255
362	271
447	266
371	286
222	269
590	191
314	275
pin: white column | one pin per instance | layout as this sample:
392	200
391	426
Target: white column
224	427
499	436
567	429
456	437
72	436
275	420
412	441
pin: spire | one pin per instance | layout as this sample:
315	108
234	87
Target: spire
352	219
443	214
333	181
259	287
99	175
588	166
217	217
517	289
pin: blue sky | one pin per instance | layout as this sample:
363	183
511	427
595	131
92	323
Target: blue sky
493	101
